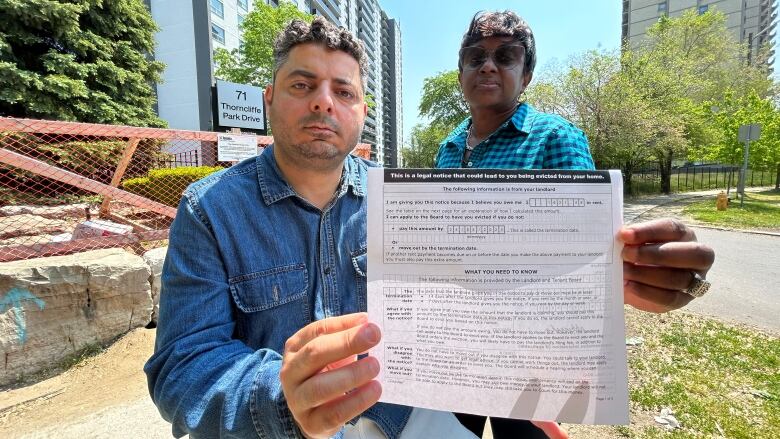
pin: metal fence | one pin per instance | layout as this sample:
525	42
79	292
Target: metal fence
67	187
700	177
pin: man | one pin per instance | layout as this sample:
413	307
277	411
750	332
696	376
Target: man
663	265
259	329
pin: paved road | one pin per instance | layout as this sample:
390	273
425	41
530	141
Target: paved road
746	274
745	278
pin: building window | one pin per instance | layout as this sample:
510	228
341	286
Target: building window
240	19
703	9
217	8
218	33
243	5
662	7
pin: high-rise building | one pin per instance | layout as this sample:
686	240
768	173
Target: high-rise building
391	90
751	21
191	31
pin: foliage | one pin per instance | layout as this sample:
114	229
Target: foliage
425	141
166	185
78	60
729	114
442	103
253	62
442	100
683	63
651	102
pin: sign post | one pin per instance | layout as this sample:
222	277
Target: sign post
746	134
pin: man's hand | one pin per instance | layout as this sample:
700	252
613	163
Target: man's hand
324	383
659	261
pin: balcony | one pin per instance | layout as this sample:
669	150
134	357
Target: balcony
333	6
368	4
368	137
368	27
319	6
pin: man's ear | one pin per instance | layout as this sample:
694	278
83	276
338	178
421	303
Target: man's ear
365	109
268	95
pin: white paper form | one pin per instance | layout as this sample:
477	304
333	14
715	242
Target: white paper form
499	292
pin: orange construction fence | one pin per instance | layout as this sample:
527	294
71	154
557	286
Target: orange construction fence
67	187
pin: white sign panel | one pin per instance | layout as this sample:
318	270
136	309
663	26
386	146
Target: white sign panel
749	132
240	106
234	147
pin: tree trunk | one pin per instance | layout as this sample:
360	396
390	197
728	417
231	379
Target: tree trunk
627	190
777	177
665	163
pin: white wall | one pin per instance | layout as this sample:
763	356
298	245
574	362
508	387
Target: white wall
177	94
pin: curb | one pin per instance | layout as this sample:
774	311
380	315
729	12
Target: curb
726	229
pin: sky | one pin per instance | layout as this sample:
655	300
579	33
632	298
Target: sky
431	31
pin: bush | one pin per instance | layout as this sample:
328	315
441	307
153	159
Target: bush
166	185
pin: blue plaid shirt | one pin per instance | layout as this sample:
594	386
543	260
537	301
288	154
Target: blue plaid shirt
528	140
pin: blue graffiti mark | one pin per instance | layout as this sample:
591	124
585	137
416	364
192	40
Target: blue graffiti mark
13	299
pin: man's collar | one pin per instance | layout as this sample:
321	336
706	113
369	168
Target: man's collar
274	187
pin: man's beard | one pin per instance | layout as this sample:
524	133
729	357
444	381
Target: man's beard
323	149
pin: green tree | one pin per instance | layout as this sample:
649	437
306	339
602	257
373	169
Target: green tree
443	105
253	62
425	141
731	112
442	100
684	62
78	60
591	91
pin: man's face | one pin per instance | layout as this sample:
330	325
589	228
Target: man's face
493	84
316	106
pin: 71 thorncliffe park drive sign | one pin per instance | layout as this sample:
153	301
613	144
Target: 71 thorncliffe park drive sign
239	106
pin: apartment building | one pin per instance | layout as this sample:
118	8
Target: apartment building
191	31
752	21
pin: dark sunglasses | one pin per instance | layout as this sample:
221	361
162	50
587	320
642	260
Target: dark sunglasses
506	56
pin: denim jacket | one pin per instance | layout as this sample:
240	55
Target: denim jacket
249	263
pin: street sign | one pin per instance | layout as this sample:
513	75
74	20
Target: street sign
235	147
749	132
239	106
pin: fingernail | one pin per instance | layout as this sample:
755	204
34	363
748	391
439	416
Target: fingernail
371	333
373	366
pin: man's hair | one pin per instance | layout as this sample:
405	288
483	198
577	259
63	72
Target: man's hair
320	31
501	24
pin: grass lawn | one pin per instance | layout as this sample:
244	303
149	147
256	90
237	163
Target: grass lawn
761	210
719	379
